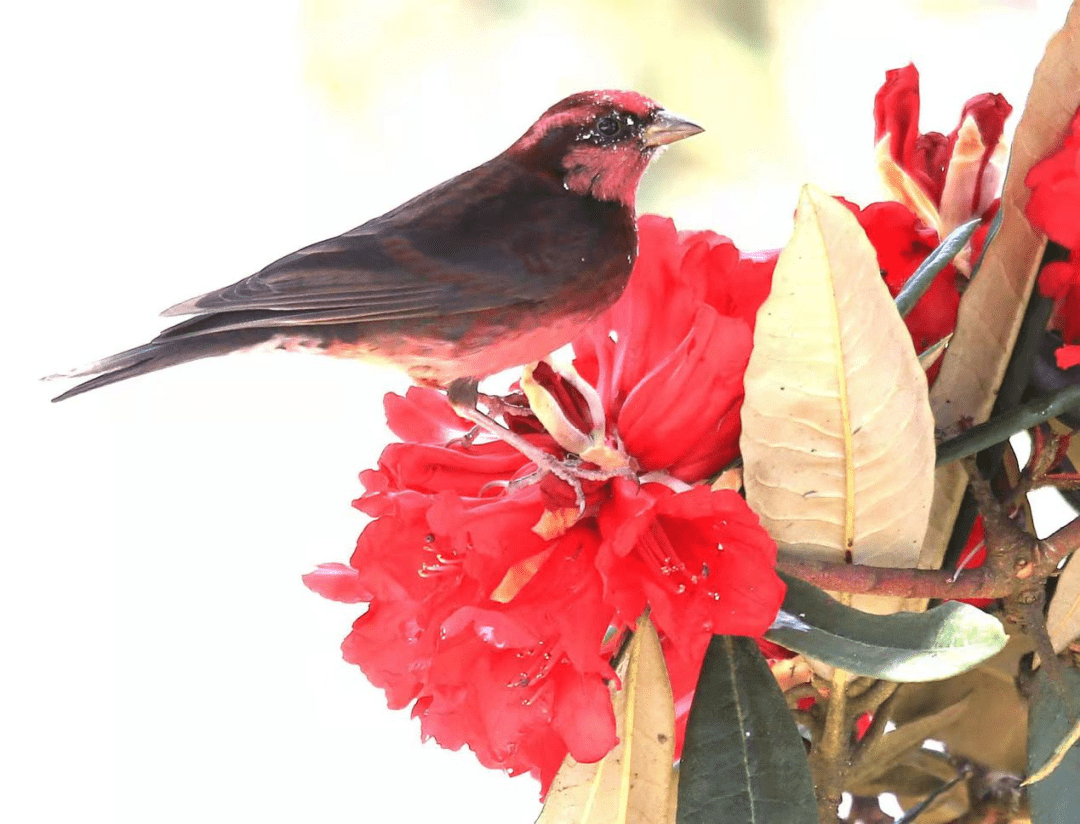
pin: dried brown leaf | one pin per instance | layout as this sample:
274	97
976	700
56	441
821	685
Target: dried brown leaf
994	731
837	438
947	808
631	784
890	749
834	430
920	773
993	306
673	797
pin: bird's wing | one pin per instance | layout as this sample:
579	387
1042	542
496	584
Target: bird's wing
490	238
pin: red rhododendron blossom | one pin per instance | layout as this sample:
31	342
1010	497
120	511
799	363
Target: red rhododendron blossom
1054	207
496	602
668	358
1061	281
902	243
945	179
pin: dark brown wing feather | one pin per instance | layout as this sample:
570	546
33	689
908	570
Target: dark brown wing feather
497	236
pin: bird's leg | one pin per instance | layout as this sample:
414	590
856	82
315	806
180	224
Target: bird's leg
463	395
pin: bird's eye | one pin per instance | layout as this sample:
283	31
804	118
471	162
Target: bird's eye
608	126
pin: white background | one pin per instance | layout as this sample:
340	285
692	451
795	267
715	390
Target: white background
161	659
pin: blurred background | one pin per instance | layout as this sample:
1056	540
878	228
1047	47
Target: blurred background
163	661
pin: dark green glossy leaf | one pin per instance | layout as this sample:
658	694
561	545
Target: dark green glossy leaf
916	285
744	761
907	646
1052	716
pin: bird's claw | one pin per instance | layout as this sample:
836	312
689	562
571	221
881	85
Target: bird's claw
465	440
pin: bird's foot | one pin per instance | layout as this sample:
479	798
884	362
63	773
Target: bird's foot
569	470
463	397
504	406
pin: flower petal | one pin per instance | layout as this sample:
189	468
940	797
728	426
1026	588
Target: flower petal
337	582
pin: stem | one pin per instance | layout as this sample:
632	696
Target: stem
999	429
1016	562
829	756
1062	543
912	814
882	712
905	583
916	285
1015	381
872	699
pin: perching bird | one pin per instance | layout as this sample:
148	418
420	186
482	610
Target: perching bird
494	268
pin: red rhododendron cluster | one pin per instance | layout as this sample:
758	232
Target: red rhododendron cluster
495	605
496	598
1054	208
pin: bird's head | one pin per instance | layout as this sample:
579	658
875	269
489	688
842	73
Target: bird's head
600	143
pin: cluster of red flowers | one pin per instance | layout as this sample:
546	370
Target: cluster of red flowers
495	603
1054	208
495	606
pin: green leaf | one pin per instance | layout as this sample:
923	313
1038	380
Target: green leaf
744	760
916	285
906	646
1052	716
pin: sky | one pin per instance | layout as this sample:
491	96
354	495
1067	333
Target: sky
164	661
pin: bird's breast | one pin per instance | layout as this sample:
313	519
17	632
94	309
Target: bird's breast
483	347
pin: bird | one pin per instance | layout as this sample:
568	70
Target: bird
494	268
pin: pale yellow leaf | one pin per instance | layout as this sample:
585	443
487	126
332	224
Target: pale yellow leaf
837	440
632	783
1063	617
673	797
993	306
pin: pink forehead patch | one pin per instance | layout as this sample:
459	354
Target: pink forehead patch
630	102
580	108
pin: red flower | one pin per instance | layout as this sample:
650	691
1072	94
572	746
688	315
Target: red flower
944	179
694	557
939	182
1054	207
523	683
925	157
1061	281
668	359
491	602
902	242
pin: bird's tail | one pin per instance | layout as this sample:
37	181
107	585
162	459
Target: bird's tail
159	354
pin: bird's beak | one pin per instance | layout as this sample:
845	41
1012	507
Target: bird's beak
666	127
